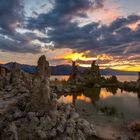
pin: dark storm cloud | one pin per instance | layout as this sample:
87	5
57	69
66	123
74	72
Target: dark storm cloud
17	42
121	22
11	13
97	38
8	45
11	17
115	38
63	11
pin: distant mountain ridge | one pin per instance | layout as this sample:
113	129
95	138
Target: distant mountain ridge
66	69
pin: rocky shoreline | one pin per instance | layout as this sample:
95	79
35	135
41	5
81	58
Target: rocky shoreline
29	107
30	110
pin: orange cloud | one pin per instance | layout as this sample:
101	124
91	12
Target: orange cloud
79	56
2	62
107	14
135	68
104	57
133	26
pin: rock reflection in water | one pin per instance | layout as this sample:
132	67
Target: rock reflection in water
124	102
89	95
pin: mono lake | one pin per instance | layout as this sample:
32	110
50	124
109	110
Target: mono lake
125	106
126	103
121	78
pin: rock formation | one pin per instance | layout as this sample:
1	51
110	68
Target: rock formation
74	73
43	69
16	74
41	86
77	76
4	77
132	85
138	81
32	112
95	71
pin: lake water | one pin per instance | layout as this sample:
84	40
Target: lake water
125	103
120	77
90	102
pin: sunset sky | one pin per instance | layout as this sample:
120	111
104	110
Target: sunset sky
104	30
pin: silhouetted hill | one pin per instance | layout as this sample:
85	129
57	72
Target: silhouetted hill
66	69
109	71
24	67
61	70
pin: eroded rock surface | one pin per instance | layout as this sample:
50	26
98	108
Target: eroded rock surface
40	99
138	81
29	109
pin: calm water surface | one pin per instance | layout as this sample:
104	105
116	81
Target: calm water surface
120	77
126	103
89	103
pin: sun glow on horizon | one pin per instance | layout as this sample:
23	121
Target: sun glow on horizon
2	62
135	68
79	56
134	26
84	60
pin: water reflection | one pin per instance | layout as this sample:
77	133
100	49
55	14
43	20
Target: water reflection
84	98
105	94
121	78
126	102
66	99
89	95
112	90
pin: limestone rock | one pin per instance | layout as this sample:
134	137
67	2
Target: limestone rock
138	81
10	133
74	115
53	132
70	129
43	69
86	127
80	135
41	86
29	109
61	125
95	72
79	77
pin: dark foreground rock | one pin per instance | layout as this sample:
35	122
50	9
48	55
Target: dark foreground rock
29	109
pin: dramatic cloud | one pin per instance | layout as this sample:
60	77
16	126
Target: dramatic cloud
11	39
7	44
11	13
65	32
61	27
63	12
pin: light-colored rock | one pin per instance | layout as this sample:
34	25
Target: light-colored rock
41	86
61	125
70	128
87	128
53	132
10	133
41	134
80	135
74	115
33	112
